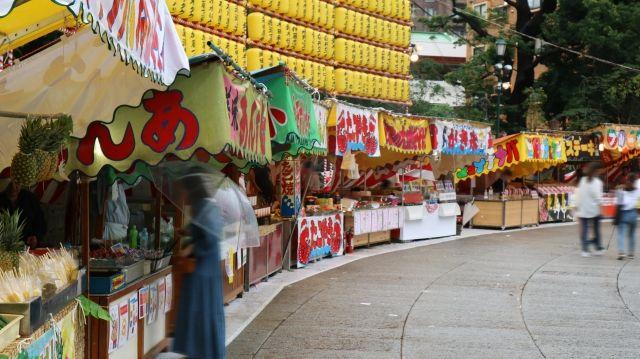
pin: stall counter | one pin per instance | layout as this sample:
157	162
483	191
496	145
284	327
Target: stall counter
503	214
150	337
266	259
372	226
427	221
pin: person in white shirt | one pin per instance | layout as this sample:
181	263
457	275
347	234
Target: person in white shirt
588	200
627	200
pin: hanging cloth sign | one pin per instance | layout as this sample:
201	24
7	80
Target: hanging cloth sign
141	32
322	114
524	153
581	148
405	134
457	138
292	114
356	129
211	110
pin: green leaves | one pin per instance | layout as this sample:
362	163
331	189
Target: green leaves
91	308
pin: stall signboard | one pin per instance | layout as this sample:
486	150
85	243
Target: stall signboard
356	129
620	138
211	111
459	138
59	341
534	152
292	114
405	134
318	237
289	180
581	148
141	33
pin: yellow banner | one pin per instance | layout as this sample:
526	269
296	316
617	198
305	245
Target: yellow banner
404	134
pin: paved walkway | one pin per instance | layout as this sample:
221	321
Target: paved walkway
519	295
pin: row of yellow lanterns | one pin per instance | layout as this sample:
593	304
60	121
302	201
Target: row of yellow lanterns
371	28
372	57
195	43
221	15
398	9
271	31
316	74
317	12
372	86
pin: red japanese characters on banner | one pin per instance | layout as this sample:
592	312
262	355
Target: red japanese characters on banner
248	116
158	133
318	237
289	180
356	130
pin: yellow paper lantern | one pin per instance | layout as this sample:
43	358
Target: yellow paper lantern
341	80
255	22
254	59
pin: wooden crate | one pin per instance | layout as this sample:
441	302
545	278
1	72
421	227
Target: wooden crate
379	237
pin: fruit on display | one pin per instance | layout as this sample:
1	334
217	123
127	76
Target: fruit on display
11	244
39	144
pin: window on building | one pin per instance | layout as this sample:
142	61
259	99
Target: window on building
534	4
481	9
500	11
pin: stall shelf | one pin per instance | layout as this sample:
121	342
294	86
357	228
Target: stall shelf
150	338
503	214
266	259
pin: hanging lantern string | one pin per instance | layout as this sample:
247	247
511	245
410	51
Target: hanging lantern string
24	115
239	70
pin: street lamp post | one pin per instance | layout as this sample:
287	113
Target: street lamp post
502	72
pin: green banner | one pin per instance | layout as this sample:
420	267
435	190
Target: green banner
209	113
294	128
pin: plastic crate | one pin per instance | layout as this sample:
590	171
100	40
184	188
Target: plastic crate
11	331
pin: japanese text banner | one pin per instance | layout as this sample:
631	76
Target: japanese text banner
404	134
211	110
457	138
356	129
293	116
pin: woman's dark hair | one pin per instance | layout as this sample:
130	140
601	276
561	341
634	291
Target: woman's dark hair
262	176
590	170
194	185
630	181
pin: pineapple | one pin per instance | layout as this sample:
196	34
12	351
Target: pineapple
11	244
58	133
24	165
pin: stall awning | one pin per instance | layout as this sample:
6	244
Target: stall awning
140	33
211	110
618	138
294	127
524	154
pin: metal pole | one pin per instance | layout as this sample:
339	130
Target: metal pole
498	115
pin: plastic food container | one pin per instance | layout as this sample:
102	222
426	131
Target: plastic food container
11	331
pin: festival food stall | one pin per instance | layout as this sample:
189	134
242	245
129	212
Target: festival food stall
523	154
431	207
619	144
298	136
167	126
40	94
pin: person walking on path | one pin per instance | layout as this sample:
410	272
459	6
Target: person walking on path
200	331
588	200
627	198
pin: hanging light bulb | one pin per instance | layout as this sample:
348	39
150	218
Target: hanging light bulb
414	54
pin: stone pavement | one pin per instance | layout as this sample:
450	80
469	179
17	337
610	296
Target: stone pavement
522	294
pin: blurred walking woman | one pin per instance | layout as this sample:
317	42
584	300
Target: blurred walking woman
588	200
627	198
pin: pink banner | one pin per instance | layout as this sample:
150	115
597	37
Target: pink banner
357	130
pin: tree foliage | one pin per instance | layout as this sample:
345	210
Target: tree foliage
583	92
